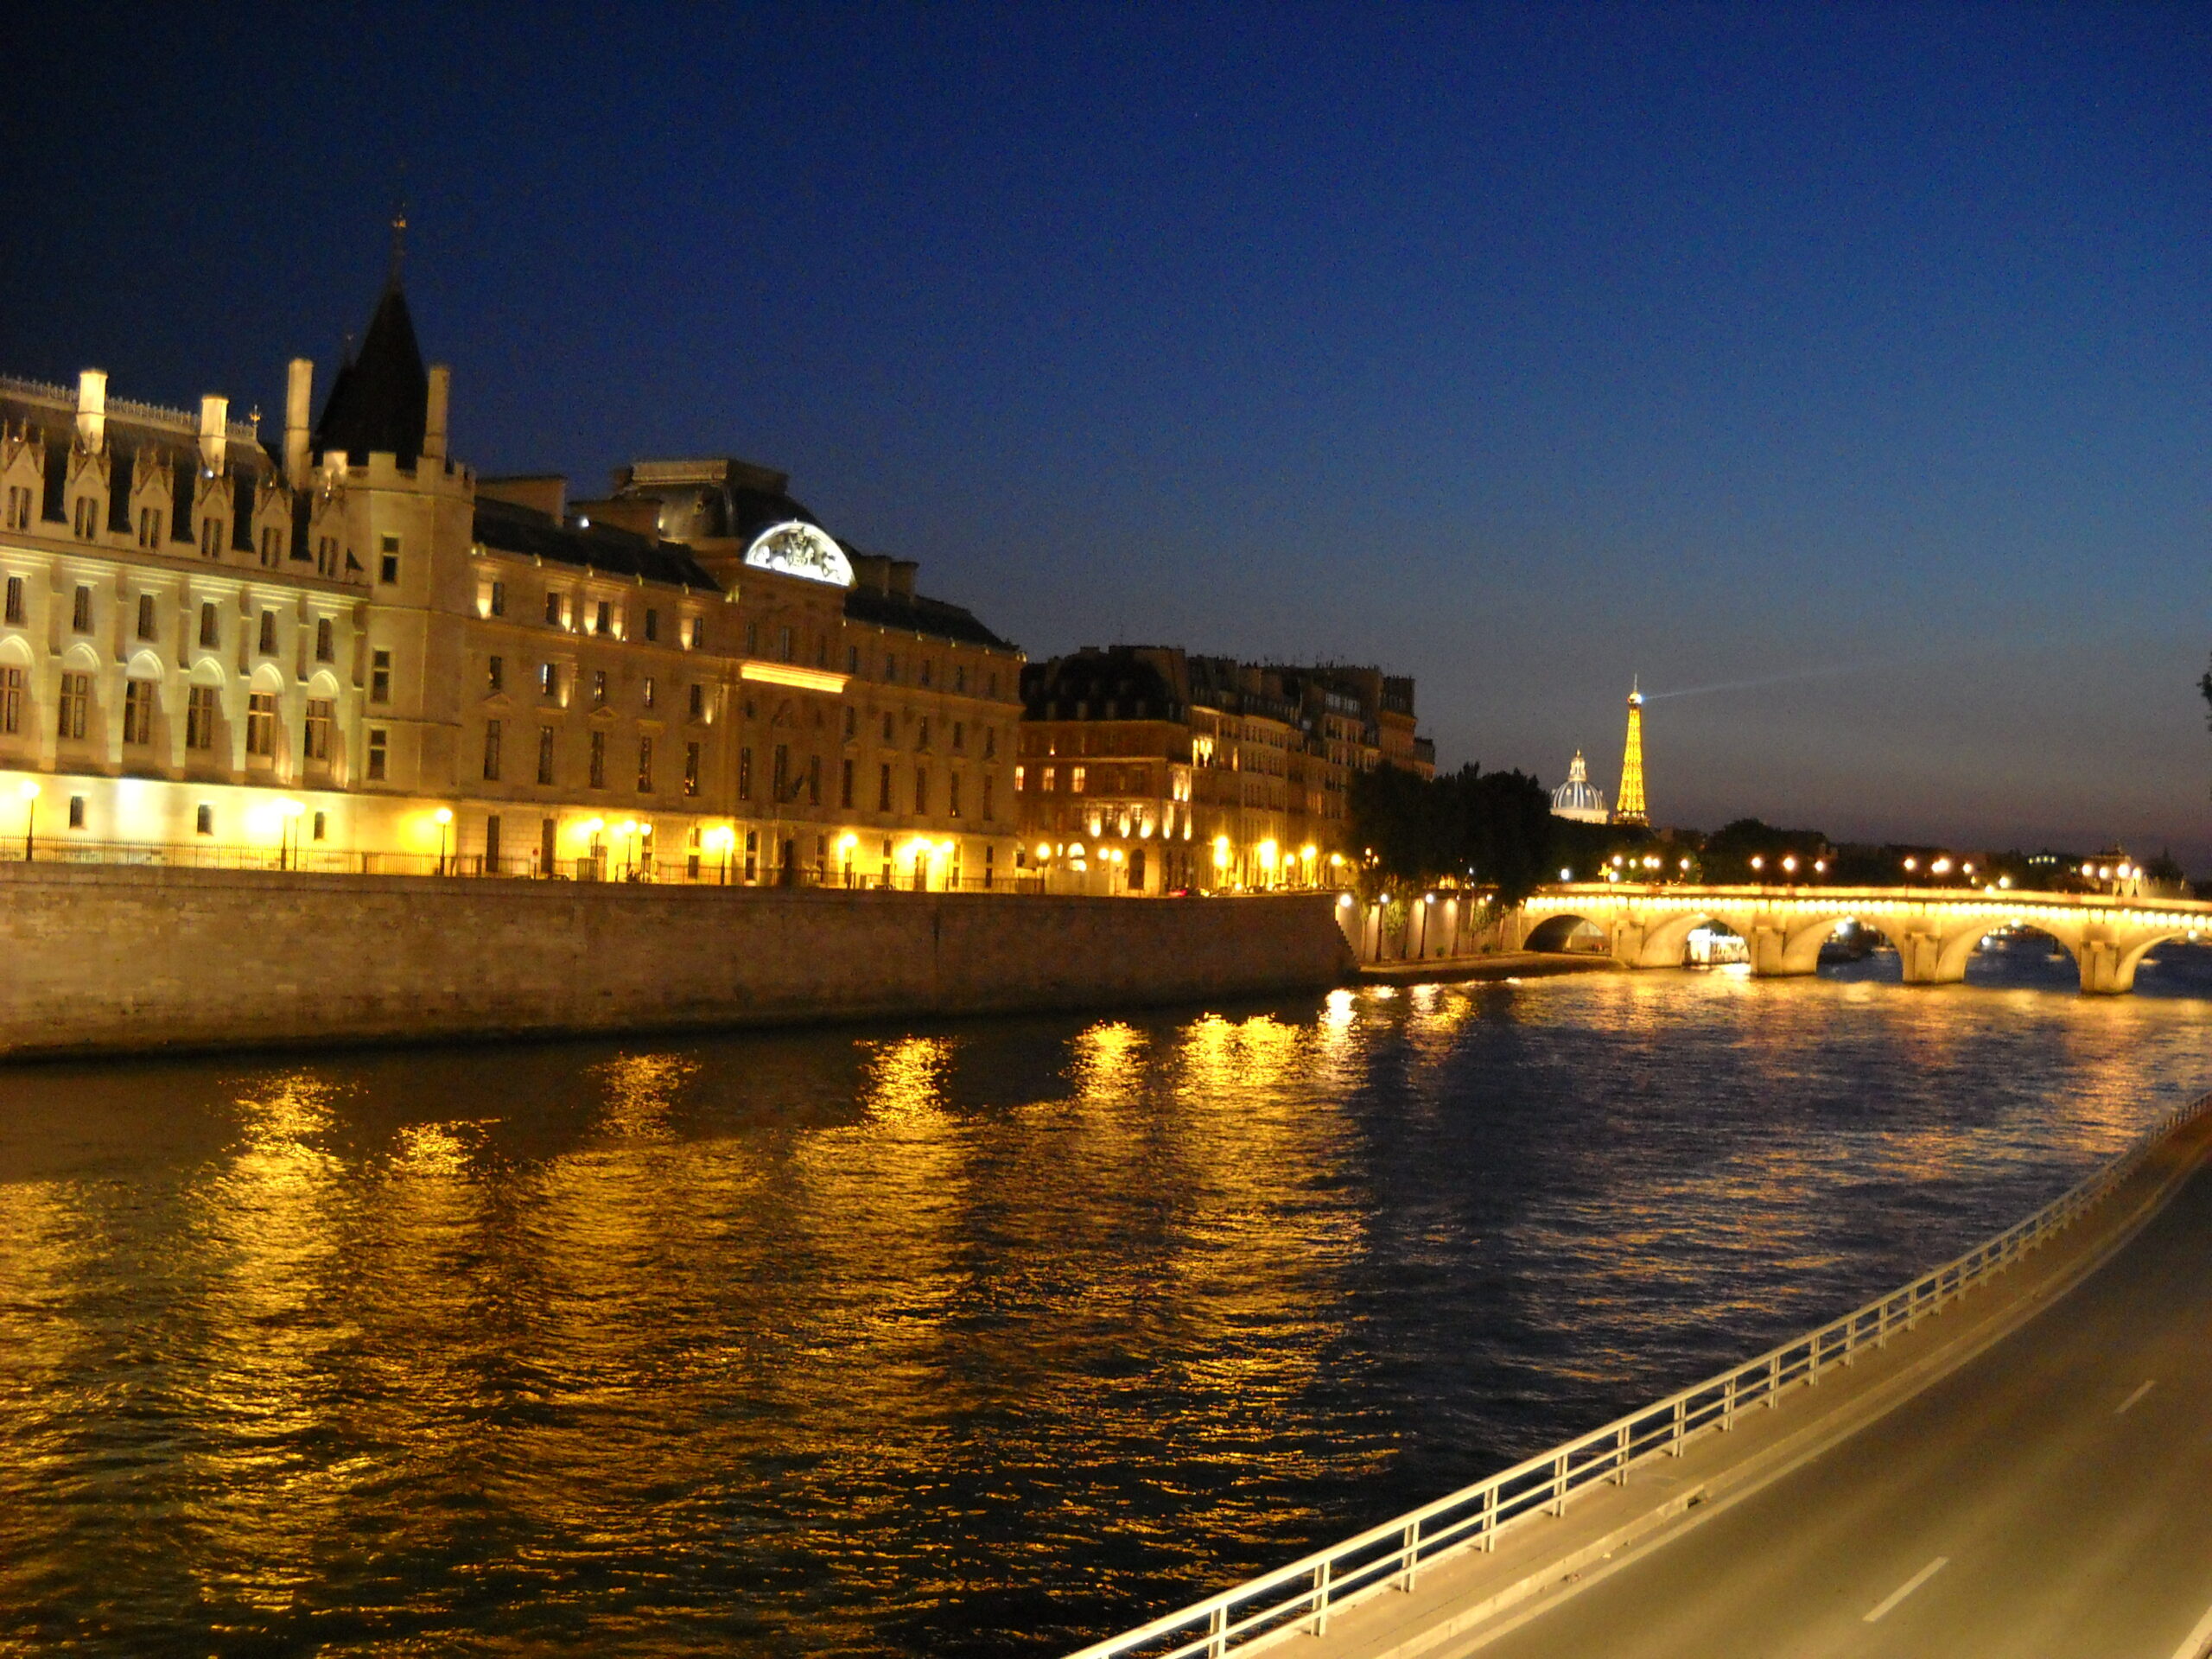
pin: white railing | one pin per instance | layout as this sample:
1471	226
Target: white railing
1303	1595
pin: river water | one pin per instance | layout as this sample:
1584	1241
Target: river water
985	1338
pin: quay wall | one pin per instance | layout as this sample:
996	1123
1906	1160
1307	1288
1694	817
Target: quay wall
116	959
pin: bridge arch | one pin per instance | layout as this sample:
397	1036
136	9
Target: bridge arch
1553	933
1958	951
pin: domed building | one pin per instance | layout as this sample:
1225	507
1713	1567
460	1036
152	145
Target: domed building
1578	797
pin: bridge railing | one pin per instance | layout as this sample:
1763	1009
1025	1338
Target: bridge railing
1303	1595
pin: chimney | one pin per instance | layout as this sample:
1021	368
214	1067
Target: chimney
299	389
434	421
214	430
92	409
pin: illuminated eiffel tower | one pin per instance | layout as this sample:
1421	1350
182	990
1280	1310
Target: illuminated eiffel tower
1629	803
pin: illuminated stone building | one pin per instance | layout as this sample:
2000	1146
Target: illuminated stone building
1150	769
1579	799
352	647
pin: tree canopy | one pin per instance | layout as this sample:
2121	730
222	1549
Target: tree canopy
1492	827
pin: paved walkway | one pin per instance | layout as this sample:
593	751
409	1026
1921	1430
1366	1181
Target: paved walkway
1501	964
2050	1496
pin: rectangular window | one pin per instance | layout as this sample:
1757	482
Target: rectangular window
883	787
952	795
498	599
599	688
15	602
138	711
261	723
599	759
690	768
603	617
150	527
852	723
695	634
76	699
210	629
1075	780
921	789
495	674
211	537
379	676
11	701
927	665
321	715
146	623
845	787
321	825
852	660
652	624
960	678
784	639
203	819
80	610
553	607
752	638
959	734
1019	774
698	701
814	780
380	750
199	717
1045	779
388	562
491	751
745	774
922	732
887	725
270	554
648	689
781	788
88	517
491	843
644	765
326	643
19	508
987	798
267	642
991	742
545	755
549	680
891	666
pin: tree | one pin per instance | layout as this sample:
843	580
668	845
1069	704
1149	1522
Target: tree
1490	827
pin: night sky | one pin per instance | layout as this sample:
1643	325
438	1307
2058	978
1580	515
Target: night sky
1521	351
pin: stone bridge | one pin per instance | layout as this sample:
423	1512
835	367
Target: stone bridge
1935	930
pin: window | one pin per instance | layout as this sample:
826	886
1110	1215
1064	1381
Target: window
698	701
745	774
211	537
495	674
695	634
991	742
553	607
814	780
783	644
887	725
599	688
19	508
210	630
490	843
150	527
267	642
883	787
1045	780
599	759
203	820
498	599
549	680
752	638
960	678
852	660
891	666
952	795
199	720
1075	780
648	689
87	517
1020	773
927	665
379	676
545	755
326	644
261	723
986	801
11	701
922	732
602	620
959	734
321	825
652	624
146	625
270	553
921	789
492	750
644	765
76	811
321	713
76	699
388	560
780	788
993	690
380	749
690	768
16	601
80	610
138	711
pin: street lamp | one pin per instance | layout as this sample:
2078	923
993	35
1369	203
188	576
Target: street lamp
28	789
444	816
287	833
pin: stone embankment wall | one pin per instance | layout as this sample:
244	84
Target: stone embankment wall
108	959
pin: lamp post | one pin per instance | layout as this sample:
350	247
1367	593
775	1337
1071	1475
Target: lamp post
28	788
288	834
444	816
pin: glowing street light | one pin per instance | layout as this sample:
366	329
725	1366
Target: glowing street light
444	816
28	788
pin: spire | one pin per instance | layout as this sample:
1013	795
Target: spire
399	245
1630	808
379	399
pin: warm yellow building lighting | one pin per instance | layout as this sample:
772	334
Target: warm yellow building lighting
804	679
443	815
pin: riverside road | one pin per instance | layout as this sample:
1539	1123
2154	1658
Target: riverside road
2052	1497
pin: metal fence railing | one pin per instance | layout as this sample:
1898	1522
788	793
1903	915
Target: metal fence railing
1303	1595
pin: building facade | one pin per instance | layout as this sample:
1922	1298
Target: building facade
1148	769
354	652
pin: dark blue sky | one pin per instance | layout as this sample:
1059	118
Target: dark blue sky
1520	350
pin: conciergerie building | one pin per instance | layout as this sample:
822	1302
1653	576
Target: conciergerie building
350	650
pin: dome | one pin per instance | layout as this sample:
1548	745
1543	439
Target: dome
1578	797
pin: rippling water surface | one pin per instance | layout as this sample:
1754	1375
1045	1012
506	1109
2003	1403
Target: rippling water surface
984	1339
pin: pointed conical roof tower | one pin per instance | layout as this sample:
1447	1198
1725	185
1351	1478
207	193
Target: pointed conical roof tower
380	399
1630	808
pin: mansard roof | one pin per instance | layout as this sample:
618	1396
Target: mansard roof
379	399
919	614
511	528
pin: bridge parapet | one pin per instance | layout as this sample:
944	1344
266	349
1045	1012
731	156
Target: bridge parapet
1935	930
